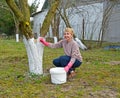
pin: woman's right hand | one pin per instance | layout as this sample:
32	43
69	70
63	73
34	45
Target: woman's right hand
42	40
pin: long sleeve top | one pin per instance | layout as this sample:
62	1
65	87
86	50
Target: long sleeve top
70	49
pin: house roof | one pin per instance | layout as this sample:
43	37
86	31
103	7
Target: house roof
33	14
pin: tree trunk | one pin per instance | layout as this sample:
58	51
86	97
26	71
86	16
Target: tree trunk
49	17
34	49
35	54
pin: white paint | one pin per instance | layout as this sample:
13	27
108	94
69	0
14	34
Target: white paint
35	54
17	37
55	39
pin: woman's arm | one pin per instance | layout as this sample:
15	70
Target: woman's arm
51	45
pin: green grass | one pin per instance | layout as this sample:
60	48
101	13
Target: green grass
98	76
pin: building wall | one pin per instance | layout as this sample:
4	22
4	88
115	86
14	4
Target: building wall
112	33
89	14
38	20
93	19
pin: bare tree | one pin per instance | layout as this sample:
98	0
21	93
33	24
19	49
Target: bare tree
106	16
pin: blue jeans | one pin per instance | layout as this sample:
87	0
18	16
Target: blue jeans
62	61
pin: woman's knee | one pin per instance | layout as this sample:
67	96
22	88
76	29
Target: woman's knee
56	62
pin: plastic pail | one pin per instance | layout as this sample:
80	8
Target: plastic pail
58	75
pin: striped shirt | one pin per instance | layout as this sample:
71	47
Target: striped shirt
70	49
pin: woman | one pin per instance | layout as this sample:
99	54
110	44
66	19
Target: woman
72	57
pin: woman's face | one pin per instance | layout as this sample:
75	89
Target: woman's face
67	36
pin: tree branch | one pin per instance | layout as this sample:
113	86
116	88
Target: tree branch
25	9
15	9
49	17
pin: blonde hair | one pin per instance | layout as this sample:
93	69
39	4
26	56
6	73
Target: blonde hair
70	30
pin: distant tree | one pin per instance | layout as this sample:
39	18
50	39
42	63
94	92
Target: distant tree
33	7
110	4
6	19
46	4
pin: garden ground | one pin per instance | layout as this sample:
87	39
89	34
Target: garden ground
97	77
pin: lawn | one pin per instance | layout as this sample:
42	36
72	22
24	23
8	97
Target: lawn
98	76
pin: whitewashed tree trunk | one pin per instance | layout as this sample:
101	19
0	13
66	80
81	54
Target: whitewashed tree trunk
17	37
55	39
35	54
81	45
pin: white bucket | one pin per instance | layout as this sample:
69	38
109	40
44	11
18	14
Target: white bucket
58	75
